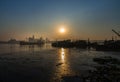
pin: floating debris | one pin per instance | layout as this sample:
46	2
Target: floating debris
59	64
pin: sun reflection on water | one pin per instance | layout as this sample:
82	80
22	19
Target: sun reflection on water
62	55
62	67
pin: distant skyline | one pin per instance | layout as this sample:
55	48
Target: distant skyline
82	19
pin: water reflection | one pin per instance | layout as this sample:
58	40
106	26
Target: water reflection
62	67
62	55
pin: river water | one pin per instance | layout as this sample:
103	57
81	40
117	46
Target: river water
32	63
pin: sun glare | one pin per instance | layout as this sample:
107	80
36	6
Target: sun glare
62	30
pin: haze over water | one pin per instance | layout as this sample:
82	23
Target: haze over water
82	19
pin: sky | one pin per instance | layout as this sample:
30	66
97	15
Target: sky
82	19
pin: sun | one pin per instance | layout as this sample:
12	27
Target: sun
62	30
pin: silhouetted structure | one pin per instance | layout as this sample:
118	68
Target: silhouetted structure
70	44
13	41
33	41
109	45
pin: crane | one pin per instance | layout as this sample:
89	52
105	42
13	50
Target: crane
116	32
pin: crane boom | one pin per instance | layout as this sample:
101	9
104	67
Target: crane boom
116	32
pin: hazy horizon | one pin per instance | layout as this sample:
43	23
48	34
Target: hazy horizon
82	19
